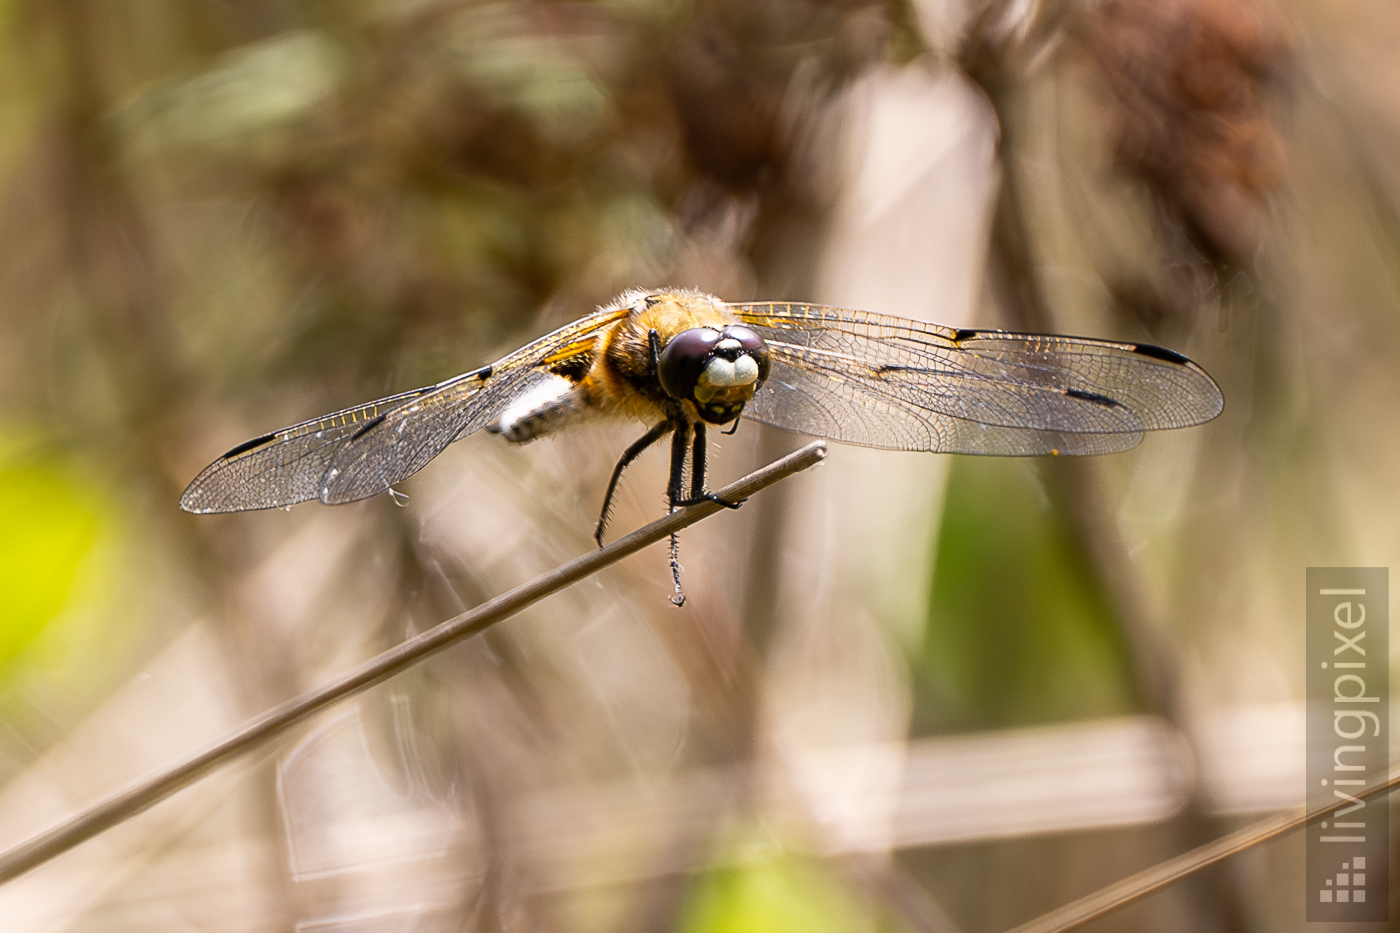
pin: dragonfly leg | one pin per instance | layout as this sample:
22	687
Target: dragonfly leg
697	462
698	492
680	446
628	455
654	344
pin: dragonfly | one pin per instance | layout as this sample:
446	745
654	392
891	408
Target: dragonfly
682	361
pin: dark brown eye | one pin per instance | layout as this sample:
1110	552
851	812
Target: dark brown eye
753	345
684	359
750	341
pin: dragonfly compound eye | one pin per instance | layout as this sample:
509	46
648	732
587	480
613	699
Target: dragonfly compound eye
718	371
750	344
684	360
749	341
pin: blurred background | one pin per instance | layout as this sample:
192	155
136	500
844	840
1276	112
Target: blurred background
908	692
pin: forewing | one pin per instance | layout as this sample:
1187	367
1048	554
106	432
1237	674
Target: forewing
883	381
284	467
362	451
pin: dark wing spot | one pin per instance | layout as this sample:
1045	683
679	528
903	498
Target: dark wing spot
574	368
368	426
246	446
895	368
963	333
1161	353
1094	397
484	373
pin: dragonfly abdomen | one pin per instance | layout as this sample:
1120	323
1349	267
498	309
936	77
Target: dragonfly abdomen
544	410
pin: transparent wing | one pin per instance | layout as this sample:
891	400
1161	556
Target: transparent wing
362	451
882	381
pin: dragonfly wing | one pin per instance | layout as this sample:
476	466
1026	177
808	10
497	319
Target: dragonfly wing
284	467
362	451
393	447
887	382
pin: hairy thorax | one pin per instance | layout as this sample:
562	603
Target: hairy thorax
622	380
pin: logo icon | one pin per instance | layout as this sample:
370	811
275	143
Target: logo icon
1349	886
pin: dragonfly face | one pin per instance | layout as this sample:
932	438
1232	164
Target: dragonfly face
680	360
717	371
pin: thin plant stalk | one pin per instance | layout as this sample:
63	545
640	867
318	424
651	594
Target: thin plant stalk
1164	874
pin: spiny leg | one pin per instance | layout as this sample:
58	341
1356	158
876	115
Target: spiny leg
628	455
698	493
680	446
697	463
654	344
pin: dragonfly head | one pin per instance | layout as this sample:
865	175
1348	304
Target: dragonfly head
716	370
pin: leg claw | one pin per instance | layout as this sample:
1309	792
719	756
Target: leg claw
711	497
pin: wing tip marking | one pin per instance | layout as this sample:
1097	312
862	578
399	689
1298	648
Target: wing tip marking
246	446
1152	351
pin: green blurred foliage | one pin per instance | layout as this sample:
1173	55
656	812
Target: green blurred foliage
1019	630
776	892
250	90
50	525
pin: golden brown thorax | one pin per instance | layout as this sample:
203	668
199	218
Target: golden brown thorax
622	378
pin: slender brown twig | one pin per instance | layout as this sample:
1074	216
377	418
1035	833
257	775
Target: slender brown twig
1163	874
133	800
